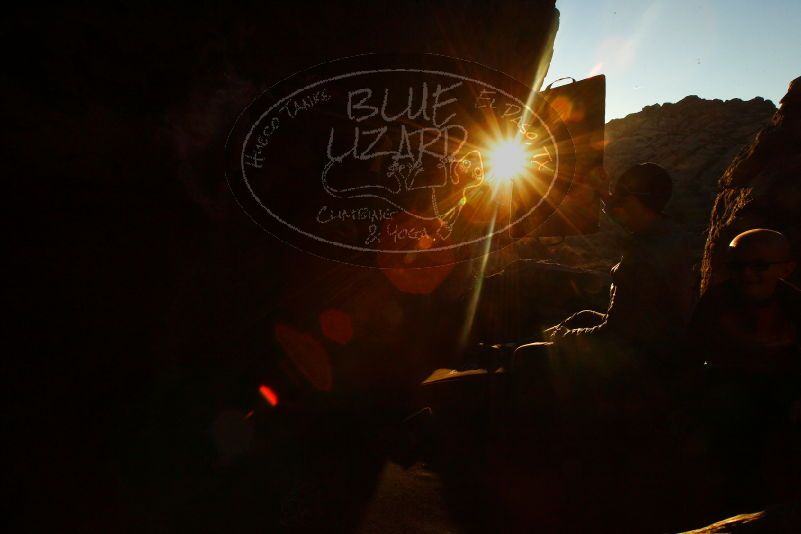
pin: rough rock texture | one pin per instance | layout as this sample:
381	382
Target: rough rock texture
146	302
761	188
695	140
774	520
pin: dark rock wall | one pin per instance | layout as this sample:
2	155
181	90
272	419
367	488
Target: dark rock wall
144	300
761	188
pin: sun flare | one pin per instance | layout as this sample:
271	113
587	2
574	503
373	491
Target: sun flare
507	159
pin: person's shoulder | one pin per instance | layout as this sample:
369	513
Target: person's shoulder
791	290
790	295
722	292
668	234
665	247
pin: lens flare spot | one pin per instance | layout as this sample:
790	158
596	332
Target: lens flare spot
336	326
426	241
269	395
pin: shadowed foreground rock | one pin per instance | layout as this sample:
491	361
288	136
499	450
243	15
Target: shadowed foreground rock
149	306
785	518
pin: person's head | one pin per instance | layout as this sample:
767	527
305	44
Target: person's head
758	259
639	197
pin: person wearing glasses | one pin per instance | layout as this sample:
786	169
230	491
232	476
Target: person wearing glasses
600	376
652	292
602	380
748	411
752	321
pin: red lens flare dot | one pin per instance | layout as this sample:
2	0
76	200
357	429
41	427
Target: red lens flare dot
269	395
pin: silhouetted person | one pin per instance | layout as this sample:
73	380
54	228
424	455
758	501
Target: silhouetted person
749	410
604	387
651	295
753	320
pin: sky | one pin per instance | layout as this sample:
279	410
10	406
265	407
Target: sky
657	51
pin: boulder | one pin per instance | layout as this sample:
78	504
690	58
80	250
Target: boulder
774	520
761	188
695	139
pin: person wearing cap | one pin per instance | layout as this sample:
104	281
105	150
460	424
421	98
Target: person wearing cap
602	379
652	292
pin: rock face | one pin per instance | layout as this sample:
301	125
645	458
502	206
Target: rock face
695	140
159	290
761	188
785	517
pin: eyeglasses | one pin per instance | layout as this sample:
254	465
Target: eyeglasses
759	266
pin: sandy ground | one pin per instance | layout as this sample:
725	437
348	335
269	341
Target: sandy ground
408	501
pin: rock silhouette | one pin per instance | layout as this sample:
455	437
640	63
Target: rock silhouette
146	302
761	188
695	139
